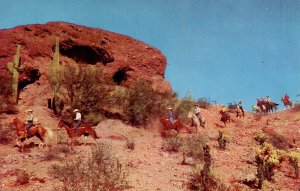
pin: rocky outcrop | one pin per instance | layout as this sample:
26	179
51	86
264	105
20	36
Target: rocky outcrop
121	58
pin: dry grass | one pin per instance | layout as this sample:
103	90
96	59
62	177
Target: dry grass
102	171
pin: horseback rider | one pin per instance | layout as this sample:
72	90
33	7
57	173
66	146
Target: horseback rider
286	98
77	119
29	121
198	112
262	101
268	101
170	116
240	105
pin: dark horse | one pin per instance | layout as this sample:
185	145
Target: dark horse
271	107
38	131
177	124
225	118
287	103
85	129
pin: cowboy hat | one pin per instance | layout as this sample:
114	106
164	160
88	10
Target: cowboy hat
29	110
169	107
75	110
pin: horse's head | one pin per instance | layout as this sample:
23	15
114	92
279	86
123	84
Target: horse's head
190	115
15	121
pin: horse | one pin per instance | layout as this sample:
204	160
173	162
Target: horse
287	103
177	124
270	107
199	122
225	118
256	109
39	131
262	107
85	129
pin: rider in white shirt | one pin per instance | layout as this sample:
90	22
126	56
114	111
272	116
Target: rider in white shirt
77	118
198	112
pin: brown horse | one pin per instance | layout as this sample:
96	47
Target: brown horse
38	131
85	129
287	103
225	118
177	124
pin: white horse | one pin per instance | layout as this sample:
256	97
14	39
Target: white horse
196	120
256	109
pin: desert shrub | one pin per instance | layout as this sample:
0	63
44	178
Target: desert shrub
261	138
202	178
184	106
86	91
143	103
223	139
57	152
205	102
268	159
193	146
130	144
101	171
7	135
23	176
6	102
294	158
173	143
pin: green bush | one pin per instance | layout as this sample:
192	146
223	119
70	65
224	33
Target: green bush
205	102
85	91
143	103
173	143
6	99
102	171
193	146
184	106
202	180
57	152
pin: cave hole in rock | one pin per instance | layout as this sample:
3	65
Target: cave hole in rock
85	54
32	76
120	76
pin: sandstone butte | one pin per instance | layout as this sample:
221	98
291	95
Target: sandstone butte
121	58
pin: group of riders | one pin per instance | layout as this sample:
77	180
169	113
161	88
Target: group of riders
266	105
263	104
30	119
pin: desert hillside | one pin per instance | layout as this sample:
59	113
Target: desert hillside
150	156
149	166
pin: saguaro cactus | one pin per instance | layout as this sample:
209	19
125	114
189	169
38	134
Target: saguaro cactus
15	67
56	75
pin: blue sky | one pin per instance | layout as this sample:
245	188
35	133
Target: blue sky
222	49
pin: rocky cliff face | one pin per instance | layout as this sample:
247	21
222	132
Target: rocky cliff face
121	58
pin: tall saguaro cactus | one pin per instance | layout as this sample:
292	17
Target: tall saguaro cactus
15	67
56	75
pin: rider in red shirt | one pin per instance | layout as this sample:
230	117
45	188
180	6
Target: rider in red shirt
286	97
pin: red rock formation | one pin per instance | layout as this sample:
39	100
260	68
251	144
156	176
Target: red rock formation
122	58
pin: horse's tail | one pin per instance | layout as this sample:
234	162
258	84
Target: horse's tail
49	133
